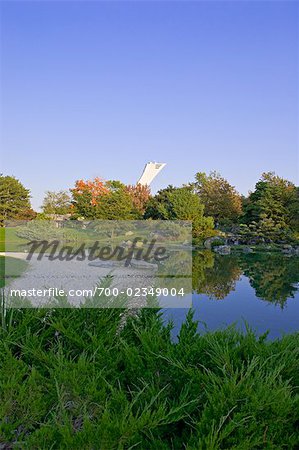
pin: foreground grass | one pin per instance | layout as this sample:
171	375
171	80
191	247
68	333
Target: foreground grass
70	380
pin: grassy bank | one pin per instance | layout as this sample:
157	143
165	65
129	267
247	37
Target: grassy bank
9	240
10	268
69	379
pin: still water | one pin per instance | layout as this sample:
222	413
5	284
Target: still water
260	289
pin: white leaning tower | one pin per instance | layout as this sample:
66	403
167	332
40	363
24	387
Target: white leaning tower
150	171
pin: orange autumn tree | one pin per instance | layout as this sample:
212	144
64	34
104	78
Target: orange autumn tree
100	199
86	196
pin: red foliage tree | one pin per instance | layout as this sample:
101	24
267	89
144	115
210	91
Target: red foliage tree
140	195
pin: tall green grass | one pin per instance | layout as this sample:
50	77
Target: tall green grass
70	380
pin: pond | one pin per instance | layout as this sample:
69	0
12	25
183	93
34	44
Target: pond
258	289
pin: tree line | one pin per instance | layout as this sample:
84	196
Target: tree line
270	213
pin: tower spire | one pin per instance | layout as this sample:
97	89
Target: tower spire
150	171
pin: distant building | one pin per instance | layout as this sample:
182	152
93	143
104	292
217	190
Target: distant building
59	219
150	171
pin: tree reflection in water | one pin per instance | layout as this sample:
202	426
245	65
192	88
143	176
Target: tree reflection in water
273	276
218	277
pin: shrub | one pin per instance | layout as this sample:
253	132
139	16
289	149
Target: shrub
217	242
71	379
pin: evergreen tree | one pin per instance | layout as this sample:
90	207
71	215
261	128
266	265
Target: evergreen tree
14	200
274	204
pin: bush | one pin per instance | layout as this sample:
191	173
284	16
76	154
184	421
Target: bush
217	243
71	379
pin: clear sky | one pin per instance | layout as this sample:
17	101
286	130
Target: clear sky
99	88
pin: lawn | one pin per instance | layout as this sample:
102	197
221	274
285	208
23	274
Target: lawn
70	379
10	268
9	237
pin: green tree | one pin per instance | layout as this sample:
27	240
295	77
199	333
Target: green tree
116	205
156	207
56	203
180	204
219	197
14	200
106	200
273	206
293	210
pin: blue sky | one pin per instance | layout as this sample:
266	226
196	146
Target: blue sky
99	88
